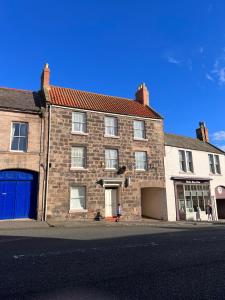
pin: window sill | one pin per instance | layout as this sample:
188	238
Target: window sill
140	170
111	169
17	151
112	136
74	211
187	173
139	139
216	174
79	133
78	169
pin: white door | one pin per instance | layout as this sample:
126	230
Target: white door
110	202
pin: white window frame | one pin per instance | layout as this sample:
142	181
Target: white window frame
115	166
83	157
83	122
82	198
140	129
145	161
114	127
214	164
185	159
19	136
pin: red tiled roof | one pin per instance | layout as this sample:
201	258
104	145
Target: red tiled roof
97	102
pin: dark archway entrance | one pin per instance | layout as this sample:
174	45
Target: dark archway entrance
220	201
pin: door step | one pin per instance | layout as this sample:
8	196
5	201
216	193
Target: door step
110	219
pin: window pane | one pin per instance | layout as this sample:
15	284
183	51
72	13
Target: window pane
217	164
77	198
79	122
111	158
182	160
78	157
16	129
141	160
211	164
15	144
139	129
111	126
189	161
23	129
22	144
19	136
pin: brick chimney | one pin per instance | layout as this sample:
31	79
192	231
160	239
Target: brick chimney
202	132
45	77
142	94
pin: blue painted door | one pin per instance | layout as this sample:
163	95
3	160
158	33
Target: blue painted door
18	194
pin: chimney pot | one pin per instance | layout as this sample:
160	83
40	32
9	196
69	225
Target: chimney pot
45	77
142	94
202	132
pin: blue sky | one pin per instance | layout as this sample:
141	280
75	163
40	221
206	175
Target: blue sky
176	47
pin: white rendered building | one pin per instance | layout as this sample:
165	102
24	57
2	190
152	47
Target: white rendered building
195	176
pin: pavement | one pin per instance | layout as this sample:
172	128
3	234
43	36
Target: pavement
33	224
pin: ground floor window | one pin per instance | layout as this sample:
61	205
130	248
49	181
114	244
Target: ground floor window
78	197
192	196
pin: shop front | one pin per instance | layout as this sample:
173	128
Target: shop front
192	197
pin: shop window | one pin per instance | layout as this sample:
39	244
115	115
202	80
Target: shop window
192	196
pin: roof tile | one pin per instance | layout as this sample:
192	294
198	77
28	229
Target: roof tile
98	102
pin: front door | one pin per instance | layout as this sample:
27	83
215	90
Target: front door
110	202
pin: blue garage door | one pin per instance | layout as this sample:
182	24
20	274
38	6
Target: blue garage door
18	194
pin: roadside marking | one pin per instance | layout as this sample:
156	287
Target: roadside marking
52	253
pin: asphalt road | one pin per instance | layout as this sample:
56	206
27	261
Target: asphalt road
118	262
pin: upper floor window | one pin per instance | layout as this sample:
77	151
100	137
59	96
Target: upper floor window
186	161
139	129
111	159
111	128
214	164
79	122
140	160
78	157
19	136
78	198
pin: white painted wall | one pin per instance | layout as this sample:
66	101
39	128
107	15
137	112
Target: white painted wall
153	203
201	169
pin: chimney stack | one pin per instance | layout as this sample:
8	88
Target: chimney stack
142	94
202	132
45	77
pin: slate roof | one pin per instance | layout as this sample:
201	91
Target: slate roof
98	102
20	100
180	141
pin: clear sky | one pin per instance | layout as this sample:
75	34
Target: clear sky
176	47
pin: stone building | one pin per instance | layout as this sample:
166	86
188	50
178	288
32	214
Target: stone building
103	150
21	154
195	177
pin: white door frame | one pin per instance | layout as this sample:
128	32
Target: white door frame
111	200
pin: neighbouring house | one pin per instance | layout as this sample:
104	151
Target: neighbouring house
22	163
103	150
195	176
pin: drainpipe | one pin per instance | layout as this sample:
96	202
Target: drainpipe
41	163
47	165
